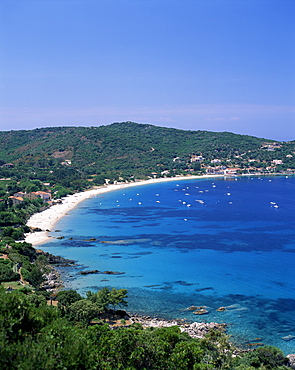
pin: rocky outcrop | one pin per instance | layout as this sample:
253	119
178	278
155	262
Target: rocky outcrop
89	272
201	311
200	329
291	359
56	260
86	272
53	281
155	322
194	330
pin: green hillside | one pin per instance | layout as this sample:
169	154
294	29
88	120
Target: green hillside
130	149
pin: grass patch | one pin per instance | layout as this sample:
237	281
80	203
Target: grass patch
12	284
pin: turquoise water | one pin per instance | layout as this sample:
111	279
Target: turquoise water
209	242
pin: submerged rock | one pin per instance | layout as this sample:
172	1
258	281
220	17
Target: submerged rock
221	309
89	272
86	272
113	273
192	307
201	311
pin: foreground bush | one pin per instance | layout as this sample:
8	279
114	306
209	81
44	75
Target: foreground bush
34	335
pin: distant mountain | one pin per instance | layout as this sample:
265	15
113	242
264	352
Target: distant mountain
131	149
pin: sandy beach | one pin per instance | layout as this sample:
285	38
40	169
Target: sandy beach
47	219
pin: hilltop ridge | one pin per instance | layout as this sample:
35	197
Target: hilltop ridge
125	150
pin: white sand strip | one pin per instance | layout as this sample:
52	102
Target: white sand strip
46	220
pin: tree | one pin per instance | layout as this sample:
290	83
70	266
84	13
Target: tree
42	263
116	297
14	233
58	345
25	249
35	277
187	355
83	310
7	274
101	298
67	297
105	297
266	357
218	349
37	299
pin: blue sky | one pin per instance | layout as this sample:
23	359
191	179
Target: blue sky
217	65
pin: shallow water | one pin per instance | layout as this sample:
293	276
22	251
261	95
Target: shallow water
211	242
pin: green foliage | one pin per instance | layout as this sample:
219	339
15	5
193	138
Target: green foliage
266	357
23	257
24	249
13	233
9	218
7	273
218	349
19	316
35	336
100	298
34	277
117	297
57	346
37	299
67	297
83	311
104	298
125	149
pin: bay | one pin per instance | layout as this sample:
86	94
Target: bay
222	242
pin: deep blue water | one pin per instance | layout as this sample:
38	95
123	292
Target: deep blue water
209	242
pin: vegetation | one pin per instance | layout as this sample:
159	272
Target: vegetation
71	156
34	335
22	262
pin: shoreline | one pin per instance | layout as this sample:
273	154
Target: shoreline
46	219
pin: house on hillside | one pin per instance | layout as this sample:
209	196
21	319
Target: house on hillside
20	194
46	196
32	195
16	200
277	161
8	165
231	171
219	170
271	146
196	158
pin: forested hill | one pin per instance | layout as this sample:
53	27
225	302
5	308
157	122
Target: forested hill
129	149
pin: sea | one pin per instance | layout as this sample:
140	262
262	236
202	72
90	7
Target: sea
210	242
